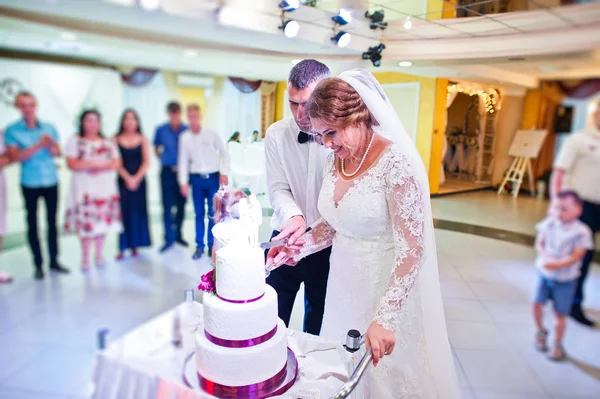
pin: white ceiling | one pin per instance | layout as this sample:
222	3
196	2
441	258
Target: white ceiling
563	41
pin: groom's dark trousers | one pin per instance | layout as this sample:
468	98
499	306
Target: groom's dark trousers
313	272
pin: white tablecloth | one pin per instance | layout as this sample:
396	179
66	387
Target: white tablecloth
145	364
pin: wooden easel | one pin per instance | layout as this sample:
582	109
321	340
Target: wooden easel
515	175
525	146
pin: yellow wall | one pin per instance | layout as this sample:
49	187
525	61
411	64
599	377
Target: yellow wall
437	141
426	108
189	95
531	108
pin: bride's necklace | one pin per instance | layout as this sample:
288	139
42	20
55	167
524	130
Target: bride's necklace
361	162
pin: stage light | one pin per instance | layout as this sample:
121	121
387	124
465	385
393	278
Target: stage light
290	28
374	54
342	39
407	23
405	63
376	18
150	5
289	5
344	17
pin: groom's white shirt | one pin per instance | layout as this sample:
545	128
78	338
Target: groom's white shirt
294	173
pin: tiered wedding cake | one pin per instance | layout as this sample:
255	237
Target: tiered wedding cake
242	351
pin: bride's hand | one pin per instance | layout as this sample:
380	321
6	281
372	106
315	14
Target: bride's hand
281	256
380	340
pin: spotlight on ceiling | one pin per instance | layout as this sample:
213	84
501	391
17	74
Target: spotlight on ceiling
149	5
376	18
289	5
405	63
374	54
344	17
342	39
407	23
290	28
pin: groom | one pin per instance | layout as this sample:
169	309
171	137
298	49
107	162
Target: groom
294	177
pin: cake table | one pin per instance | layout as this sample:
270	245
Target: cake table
145	363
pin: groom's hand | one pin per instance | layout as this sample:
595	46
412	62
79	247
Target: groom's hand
293	229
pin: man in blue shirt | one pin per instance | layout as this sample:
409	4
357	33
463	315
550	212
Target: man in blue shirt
35	144
166	145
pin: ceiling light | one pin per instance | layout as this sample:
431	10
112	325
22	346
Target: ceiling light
342	39
407	23
190	53
150	5
289	5
344	17
294	62
374	54
405	63
376	18
290	28
68	36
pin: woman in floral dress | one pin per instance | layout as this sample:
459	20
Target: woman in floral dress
93	208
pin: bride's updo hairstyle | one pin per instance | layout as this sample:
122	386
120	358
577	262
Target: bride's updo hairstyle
339	106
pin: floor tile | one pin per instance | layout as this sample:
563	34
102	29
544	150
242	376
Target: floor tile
475	335
498	371
465	310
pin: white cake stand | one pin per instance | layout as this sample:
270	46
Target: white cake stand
190	379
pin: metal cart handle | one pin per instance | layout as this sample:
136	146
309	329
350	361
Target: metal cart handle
349	386
353	343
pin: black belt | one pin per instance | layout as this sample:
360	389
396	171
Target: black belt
206	175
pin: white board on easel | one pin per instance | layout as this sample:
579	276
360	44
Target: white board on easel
526	146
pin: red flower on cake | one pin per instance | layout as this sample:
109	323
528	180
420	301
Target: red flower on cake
208	283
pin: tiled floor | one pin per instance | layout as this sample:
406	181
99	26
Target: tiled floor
48	329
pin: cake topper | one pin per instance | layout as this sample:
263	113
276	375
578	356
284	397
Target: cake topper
251	216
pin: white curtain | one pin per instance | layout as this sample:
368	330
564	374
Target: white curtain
62	92
239	112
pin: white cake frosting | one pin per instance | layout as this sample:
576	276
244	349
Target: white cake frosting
234	321
241	366
240	272
242	341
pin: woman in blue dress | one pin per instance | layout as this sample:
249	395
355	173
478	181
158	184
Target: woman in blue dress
135	155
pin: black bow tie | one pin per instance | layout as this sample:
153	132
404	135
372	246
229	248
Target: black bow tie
304	138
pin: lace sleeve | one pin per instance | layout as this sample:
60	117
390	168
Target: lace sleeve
405	205
318	238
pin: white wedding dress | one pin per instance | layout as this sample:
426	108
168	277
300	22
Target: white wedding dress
383	265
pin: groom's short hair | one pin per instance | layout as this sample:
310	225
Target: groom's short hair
306	72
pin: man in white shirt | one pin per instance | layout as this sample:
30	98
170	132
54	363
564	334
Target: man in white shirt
577	168
203	163
294	177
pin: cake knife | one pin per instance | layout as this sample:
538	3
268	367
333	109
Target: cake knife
278	243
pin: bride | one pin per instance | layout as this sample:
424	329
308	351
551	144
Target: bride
377	217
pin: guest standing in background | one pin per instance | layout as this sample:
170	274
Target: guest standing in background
255	137
166	144
235	138
577	168
34	144
4	160
93	208
135	161
199	166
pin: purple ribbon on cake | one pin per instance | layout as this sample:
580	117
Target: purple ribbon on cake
243	343
264	389
240	300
